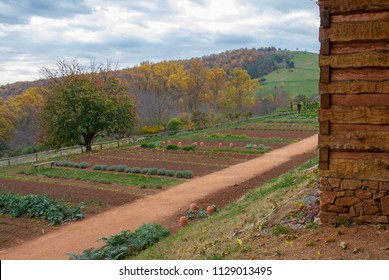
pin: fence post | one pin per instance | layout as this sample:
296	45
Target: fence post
9	161
118	144
36	156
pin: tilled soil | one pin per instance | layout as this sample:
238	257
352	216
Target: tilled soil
164	207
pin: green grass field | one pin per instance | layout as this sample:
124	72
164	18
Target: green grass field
303	79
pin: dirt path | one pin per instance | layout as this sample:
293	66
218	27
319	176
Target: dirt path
78	236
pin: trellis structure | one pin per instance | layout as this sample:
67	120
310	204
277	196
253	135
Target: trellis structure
354	113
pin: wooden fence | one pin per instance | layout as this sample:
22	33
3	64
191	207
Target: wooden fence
46	155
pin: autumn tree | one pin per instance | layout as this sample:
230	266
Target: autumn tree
26	109
196	84
240	91
84	102
216	79
6	125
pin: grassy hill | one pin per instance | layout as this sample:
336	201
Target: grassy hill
303	79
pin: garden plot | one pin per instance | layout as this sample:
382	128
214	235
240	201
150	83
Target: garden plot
209	151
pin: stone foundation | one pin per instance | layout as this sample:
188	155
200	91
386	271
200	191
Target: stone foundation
355	200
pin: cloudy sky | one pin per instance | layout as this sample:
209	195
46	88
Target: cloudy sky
36	33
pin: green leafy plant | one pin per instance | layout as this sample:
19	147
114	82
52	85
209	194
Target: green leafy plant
172	147
249	146
148	145
184	174
174	124
83	165
152	171
121	168
40	206
112	168
161	172
170	173
144	170
100	167
125	243
189	148
136	170
263	147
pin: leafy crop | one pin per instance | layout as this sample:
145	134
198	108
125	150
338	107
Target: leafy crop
184	174
189	148
148	145
40	206
172	147
125	243
100	167
112	168
82	165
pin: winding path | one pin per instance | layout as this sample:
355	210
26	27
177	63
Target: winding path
78	236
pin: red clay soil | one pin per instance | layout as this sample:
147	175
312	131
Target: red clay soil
69	193
199	162
217	188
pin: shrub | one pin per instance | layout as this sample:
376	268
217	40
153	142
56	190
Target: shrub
153	171
125	243
151	129
161	172
148	145
184	174
136	170
122	168
174	124
112	168
100	167
83	165
189	148
40	206
144	171
170	173
172	147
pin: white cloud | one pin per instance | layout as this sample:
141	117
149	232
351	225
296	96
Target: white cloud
37	33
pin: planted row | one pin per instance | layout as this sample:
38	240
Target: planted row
125	244
82	165
39	206
149	171
259	147
169	147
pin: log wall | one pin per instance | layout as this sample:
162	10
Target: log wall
354	113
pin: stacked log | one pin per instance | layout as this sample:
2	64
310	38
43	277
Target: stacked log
354	110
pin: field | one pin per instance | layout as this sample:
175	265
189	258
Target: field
303	79
199	152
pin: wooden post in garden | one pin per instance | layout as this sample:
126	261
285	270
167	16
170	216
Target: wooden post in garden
354	110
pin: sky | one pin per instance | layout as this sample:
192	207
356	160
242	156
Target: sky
38	33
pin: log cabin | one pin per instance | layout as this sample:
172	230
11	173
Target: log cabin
354	110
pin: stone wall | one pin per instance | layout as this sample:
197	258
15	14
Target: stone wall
353	200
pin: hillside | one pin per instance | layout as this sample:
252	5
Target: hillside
303	79
276	220
258	62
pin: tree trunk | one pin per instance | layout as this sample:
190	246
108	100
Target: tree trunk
88	142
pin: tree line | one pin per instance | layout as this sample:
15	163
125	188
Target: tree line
77	103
